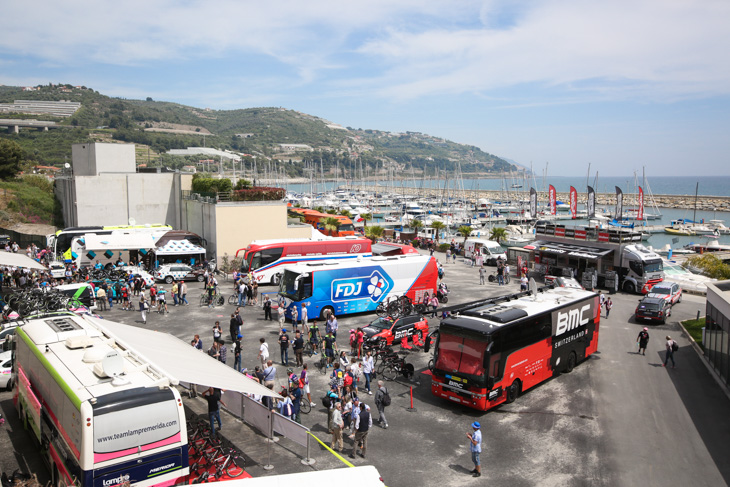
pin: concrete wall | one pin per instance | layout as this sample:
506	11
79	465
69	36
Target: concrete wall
65	190
718	298
199	218
98	158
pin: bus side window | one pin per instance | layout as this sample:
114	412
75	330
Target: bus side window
269	256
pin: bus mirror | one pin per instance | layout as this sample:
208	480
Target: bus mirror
487	358
427	345
244	266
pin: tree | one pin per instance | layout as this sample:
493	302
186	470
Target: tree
374	232
438	225
498	234
242	184
11	157
345	213
464	231
331	225
416	224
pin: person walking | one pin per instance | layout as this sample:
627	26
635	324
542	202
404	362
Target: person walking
174	291
298	347
367	369
269	373
263	351
475	447
500	272
380	403
143	307
481	275
336	426
305	318
267	309
217	331
237	349
671	346
642	340
282	316
362	426
233	328
304	379
609	305
284	346
101	298
241	293
294	317
183	288
213	397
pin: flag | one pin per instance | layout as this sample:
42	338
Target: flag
640	210
619	204
552	199
573	203
591	202
533	203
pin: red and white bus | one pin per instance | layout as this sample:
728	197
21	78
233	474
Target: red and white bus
266	259
494	349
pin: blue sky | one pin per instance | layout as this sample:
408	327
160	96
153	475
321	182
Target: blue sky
620	84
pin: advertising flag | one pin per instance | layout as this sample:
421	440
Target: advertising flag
619	204
573	203
533	203
640	211
552	199
591	202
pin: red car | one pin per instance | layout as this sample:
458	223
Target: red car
384	331
669	291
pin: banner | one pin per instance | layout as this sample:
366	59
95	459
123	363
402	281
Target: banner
640	211
591	202
533	203
573	203
619	204
552	199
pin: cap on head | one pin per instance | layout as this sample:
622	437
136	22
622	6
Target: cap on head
476	425
240	336
283	330
646	329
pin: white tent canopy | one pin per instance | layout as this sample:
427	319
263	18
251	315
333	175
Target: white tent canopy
181	362
179	247
124	241
9	259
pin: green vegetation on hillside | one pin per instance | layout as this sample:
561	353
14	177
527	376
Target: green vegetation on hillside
29	199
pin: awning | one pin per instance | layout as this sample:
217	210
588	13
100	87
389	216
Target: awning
123	241
571	250
386	249
179	247
181	362
11	259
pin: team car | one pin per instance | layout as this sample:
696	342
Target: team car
669	291
179	272
653	309
6	370
58	270
384	331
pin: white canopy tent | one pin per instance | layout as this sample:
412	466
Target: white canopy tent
9	259
181	362
179	247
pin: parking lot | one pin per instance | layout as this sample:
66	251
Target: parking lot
618	419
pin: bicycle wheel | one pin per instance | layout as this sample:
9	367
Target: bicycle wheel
204	300
233	469
308	350
233	299
322	365
220	300
381	310
305	406
389	372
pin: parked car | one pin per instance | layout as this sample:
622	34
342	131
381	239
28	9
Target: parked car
654	309
670	291
6	370
384	331
179	272
58	270
82	293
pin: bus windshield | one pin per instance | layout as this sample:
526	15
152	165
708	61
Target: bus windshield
653	265
296	286
461	355
346	227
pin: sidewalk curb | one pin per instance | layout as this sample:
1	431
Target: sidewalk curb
724	387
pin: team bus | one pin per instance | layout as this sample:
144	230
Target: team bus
488	352
357	285
266	259
317	220
100	414
62	240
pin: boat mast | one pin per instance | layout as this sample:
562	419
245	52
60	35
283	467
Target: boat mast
694	215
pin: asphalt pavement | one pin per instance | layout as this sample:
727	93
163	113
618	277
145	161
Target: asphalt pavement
618	419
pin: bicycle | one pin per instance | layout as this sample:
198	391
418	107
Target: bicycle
304	405
321	364
217	300
396	367
308	349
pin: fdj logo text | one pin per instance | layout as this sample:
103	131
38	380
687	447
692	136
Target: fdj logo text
372	287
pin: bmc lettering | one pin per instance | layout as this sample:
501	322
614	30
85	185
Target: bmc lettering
572	319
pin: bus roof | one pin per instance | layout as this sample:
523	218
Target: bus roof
301	240
492	316
74	347
350	263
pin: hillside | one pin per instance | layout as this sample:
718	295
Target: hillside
157	127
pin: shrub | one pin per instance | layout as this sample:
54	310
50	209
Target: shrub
259	193
444	247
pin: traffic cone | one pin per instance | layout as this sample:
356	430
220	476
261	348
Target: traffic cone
404	342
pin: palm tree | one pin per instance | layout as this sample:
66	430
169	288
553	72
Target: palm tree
498	234
345	213
438	226
367	217
374	232
416	224
331	225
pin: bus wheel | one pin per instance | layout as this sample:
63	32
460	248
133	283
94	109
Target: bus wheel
629	287
513	391
275	279
570	365
326	311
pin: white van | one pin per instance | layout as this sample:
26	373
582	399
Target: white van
489	249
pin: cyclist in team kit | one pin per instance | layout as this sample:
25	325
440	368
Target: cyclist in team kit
314	336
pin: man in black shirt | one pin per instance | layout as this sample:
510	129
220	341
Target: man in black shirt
298	346
330	345
284	346
213	396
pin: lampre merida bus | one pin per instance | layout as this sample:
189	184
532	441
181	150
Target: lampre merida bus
94	427
489	351
357	285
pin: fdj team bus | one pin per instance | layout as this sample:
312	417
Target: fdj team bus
496	348
357	285
266	258
95	429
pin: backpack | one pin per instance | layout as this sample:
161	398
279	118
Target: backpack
386	398
675	347
326	402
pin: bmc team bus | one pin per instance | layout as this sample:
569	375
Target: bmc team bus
357	285
266	258
489	351
96	428
62	240
317	220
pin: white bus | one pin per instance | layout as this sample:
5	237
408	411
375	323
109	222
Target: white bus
100	414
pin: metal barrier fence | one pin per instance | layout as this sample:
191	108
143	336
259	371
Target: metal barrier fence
257	415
